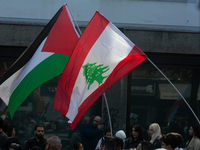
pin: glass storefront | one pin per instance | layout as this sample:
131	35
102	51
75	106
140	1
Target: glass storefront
154	100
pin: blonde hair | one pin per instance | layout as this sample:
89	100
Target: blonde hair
157	132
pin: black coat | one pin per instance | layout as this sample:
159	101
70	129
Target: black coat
157	143
131	143
33	142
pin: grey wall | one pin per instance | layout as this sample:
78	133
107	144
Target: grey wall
166	41
117	102
147	41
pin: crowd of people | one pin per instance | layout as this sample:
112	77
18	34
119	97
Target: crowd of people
95	137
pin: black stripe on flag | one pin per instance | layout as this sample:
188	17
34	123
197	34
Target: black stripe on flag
29	52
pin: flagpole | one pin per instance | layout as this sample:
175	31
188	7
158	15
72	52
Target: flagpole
74	21
108	113
175	89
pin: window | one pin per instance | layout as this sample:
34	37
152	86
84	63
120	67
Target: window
152	98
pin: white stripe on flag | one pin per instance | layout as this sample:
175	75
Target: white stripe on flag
13	81
107	50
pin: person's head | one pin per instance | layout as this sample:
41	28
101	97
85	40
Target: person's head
137	132
171	141
12	141
53	143
39	131
107	132
96	121
154	131
194	131
121	134
145	145
108	143
118	143
78	146
11	131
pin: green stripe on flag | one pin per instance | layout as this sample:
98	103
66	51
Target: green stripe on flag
46	70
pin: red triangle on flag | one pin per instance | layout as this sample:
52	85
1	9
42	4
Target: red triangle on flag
63	29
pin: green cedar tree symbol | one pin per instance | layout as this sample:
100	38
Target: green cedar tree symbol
94	72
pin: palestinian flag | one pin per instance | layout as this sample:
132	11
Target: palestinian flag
101	57
3	106
43	60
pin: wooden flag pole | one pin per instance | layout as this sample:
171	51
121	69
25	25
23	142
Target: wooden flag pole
175	89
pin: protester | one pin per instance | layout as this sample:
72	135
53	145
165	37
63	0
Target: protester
155	133
78	146
12	141
118	143
76	135
136	137
51	126
107	134
38	140
121	134
92	133
3	135
11	131
172	141
21	129
108	143
38	118
5	127
29	127
53	143
194	141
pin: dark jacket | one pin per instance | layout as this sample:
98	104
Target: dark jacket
157	143
3	138
32	142
130	143
91	137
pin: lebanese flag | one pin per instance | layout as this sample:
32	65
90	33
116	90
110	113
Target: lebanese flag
43	60
171	113
101	57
